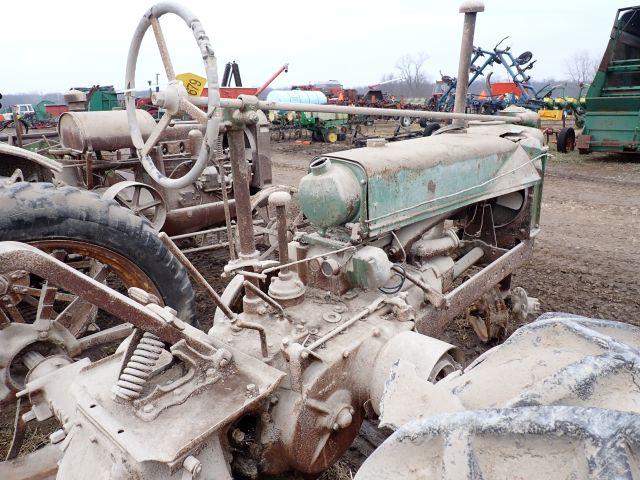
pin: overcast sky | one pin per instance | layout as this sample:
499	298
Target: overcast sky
53	45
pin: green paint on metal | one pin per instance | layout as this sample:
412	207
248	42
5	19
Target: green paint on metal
330	194
612	118
406	182
100	98
41	110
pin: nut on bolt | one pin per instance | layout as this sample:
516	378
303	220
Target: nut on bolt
343	419
192	465
142	296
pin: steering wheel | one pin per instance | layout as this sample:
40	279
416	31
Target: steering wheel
175	98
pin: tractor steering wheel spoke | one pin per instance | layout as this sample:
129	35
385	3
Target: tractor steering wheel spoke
194	112
162	46
156	134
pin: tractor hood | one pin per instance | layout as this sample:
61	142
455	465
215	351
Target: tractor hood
395	184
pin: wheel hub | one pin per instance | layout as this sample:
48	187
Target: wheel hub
21	339
170	98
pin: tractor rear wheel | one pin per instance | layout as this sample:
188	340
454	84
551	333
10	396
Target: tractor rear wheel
76	224
330	136
430	128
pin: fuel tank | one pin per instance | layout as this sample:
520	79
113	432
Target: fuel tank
109	130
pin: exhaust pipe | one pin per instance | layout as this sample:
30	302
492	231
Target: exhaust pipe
470	8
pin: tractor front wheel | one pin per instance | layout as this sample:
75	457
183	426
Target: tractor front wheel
330	136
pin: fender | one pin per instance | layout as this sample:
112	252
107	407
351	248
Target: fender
10	153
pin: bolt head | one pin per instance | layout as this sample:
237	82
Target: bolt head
252	117
192	465
237	435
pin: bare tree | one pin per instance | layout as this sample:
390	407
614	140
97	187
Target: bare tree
410	68
582	67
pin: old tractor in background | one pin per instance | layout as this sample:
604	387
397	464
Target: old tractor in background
613	99
405	236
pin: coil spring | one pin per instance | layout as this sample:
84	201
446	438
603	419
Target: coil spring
219	148
139	367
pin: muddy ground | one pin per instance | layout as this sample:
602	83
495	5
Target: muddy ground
586	257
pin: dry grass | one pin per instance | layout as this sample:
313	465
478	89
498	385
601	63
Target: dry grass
338	471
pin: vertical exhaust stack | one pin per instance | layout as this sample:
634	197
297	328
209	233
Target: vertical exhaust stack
470	8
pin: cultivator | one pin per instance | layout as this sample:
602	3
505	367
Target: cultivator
404	237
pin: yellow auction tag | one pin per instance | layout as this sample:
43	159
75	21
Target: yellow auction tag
193	83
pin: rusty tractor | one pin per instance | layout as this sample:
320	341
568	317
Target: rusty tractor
406	236
92	205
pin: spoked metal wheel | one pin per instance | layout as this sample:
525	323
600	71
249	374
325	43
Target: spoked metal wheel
73	325
41	320
141	199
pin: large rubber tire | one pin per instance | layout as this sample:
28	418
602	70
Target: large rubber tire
566	140
32	212
430	128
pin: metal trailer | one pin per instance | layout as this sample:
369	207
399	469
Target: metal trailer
613	100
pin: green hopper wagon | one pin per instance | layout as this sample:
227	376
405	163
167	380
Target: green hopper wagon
612	119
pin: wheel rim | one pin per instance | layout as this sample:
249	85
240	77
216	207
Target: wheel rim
75	316
143	200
